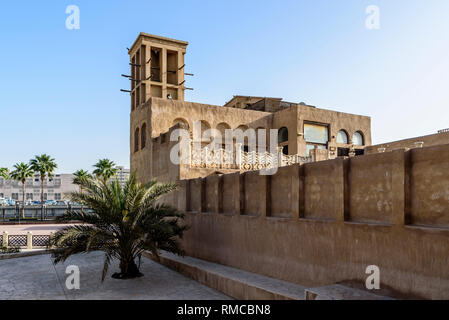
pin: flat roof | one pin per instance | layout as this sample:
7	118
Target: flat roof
251	97
152	36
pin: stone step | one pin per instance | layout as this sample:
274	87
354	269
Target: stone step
233	282
244	285
341	292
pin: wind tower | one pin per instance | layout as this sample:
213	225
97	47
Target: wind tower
157	69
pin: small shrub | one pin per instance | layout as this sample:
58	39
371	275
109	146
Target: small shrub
9	250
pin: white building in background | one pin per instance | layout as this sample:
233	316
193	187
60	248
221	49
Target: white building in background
122	174
55	188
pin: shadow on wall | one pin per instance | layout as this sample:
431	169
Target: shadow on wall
325	222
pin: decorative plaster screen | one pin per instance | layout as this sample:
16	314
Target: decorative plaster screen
316	133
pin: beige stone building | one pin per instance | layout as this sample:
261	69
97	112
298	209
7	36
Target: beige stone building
440	138
157	104
313	223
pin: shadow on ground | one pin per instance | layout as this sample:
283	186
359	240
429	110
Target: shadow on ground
37	278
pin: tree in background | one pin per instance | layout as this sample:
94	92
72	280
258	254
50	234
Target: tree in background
123	222
104	169
4	173
44	165
80	176
21	173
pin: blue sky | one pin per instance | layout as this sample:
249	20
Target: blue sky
60	88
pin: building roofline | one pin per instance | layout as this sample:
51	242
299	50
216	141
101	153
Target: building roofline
407	139
257	97
148	35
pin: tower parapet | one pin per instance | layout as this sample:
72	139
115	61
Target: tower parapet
157	68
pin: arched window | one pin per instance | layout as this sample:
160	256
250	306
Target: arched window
182	122
201	132
143	136
283	139
282	135
261	138
221	128
205	132
342	137
136	140
243	127
247	136
357	139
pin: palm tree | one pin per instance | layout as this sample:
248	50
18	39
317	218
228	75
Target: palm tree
104	169
44	165
4	173
80	175
21	173
123	222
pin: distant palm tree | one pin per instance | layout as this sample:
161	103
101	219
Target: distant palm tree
80	176
123	222
21	173
4	173
104	169
44	165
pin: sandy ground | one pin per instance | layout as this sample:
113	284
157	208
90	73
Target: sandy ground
36	229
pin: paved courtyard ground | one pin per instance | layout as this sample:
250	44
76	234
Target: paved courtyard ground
37	278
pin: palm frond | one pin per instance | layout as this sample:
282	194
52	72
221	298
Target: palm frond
121	221
107	262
